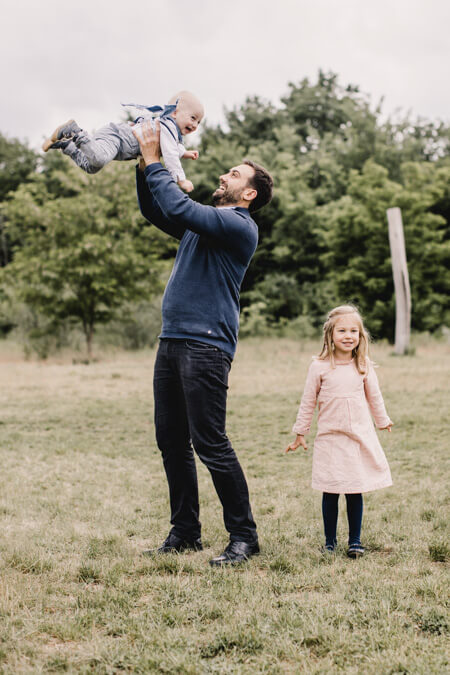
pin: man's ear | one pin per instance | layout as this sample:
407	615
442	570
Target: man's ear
249	194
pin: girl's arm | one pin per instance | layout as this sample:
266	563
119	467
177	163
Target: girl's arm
309	399
375	400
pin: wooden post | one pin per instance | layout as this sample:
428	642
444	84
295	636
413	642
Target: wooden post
401	281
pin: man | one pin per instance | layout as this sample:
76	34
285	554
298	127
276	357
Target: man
198	339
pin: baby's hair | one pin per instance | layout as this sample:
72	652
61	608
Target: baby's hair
360	353
185	96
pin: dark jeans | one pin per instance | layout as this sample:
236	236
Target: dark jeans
330	516
190	389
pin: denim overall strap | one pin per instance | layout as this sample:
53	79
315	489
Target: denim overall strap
165	112
179	137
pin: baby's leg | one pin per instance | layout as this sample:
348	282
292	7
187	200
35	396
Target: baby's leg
354	513
330	516
80	158
113	141
101	147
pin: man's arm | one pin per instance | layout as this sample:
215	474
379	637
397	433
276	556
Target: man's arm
230	229
151	210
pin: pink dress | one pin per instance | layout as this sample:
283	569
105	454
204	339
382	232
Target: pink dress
348	457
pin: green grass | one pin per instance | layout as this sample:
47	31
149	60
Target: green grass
82	492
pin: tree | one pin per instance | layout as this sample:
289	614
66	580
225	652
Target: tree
337	166
17	164
82	256
357	253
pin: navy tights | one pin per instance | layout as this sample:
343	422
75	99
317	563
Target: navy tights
330	516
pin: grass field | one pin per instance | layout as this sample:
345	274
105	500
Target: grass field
82	492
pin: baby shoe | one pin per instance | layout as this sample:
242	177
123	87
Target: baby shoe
64	132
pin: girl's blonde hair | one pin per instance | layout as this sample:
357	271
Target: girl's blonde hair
360	353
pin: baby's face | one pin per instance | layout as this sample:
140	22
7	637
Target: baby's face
188	116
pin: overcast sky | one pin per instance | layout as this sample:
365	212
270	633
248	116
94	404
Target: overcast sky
81	59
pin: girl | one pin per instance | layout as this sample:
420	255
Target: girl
348	457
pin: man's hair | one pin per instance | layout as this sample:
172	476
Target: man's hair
262	182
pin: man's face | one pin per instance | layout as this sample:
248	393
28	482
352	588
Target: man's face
233	185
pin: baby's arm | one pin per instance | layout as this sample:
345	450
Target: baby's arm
375	400
170	150
190	154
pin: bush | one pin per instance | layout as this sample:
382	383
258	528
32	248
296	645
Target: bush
137	327
299	328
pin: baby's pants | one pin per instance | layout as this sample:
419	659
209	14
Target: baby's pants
92	152
330	516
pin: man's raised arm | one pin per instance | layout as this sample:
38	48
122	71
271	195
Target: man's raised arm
234	232
152	212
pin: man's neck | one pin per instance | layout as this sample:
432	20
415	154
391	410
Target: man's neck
240	205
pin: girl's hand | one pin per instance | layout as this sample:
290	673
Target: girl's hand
300	440
388	428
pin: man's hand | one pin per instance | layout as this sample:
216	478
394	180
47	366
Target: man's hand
191	154
148	139
186	185
300	440
141	164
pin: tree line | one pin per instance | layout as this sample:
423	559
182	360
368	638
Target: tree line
74	248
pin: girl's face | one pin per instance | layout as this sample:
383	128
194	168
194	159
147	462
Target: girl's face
346	336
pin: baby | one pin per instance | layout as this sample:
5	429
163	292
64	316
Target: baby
116	141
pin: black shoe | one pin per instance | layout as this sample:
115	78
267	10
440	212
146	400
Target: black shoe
327	549
64	132
175	544
236	552
355	551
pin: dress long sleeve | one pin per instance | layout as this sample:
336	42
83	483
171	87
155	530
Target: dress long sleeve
375	399
309	399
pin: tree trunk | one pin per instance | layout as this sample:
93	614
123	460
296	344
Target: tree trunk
401	281
88	330
89	338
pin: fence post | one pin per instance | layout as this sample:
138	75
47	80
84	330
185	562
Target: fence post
401	281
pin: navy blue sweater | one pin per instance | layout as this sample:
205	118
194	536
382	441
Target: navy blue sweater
201	300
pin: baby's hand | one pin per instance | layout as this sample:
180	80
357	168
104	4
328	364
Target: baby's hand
191	154
388	428
186	185
300	440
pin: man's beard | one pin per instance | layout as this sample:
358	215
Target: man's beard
226	197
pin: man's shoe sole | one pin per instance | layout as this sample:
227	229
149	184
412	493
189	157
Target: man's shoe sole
47	144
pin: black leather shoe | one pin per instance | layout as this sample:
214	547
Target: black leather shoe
175	544
235	553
